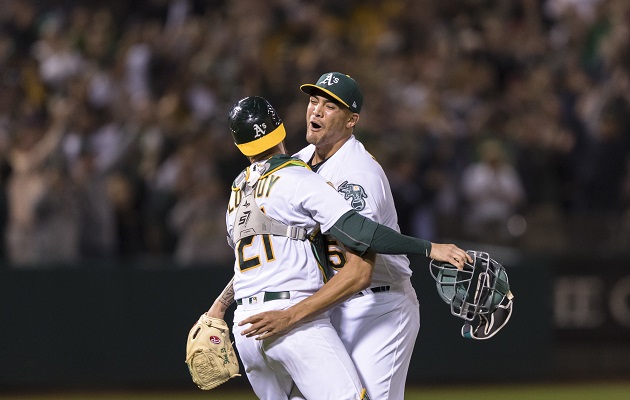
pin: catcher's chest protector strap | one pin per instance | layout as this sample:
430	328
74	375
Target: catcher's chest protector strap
250	220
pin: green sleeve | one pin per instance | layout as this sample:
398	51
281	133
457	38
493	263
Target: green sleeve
362	234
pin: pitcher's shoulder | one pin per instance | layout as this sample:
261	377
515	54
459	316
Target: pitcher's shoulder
358	158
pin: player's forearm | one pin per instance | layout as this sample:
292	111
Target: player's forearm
336	291
361	234
388	241
222	302
355	276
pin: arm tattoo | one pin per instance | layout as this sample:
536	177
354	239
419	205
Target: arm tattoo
227	295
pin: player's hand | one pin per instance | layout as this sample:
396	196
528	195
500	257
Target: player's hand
267	324
449	253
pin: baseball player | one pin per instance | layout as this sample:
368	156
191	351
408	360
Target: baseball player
379	324
274	271
276	209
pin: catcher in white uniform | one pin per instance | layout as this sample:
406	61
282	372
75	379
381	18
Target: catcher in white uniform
276	265
378	324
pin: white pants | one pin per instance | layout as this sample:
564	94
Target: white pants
311	355
379	331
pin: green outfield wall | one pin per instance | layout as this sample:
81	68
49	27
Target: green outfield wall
125	324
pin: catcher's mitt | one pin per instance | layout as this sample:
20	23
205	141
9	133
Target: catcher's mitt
209	353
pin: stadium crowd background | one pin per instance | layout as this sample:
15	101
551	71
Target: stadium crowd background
505	122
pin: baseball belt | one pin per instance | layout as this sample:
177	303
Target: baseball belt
267	296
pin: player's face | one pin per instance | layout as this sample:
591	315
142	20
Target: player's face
327	122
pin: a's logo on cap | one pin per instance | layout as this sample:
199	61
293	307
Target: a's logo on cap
354	104
260	130
329	80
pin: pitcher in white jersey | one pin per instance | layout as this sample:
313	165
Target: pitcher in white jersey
379	324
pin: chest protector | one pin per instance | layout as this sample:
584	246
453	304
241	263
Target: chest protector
250	220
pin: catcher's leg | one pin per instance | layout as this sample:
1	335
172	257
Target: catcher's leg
311	355
315	357
267	382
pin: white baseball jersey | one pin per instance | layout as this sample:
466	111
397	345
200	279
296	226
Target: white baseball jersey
291	193
378	327
363	183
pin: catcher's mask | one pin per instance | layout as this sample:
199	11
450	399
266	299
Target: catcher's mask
255	125
480	292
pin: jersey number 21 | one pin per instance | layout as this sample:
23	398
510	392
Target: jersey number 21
253	262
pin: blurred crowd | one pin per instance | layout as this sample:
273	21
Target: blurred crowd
504	122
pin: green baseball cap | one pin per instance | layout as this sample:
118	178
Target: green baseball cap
255	125
341	87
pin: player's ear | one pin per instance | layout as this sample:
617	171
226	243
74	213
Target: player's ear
352	121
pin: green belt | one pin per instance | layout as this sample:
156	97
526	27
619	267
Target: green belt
268	296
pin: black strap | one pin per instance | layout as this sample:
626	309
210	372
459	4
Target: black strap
376	289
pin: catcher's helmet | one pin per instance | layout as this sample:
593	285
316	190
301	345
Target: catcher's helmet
480	291
255	125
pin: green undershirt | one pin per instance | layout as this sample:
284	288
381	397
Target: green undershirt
362	234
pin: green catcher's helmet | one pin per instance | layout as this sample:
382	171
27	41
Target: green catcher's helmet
255	125
479	292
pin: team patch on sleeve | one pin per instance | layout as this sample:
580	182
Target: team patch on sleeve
355	193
